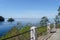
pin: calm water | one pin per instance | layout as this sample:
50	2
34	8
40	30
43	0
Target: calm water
6	26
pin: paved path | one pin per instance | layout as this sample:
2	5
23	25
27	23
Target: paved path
55	36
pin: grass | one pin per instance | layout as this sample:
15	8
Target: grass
41	31
26	31
12	32
26	35
58	26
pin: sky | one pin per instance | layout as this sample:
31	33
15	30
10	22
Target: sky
29	8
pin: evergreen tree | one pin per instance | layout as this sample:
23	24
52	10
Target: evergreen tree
44	21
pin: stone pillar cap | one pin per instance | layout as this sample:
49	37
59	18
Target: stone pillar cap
33	27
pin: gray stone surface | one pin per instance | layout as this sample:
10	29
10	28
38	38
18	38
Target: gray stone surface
55	36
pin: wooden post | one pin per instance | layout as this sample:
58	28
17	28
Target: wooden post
33	33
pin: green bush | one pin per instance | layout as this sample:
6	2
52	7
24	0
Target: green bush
41	31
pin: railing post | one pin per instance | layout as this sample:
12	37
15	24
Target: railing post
48	28
54	28
33	33
55	25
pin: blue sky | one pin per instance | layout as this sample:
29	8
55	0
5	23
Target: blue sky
28	8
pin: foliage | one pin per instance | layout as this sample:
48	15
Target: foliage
59	9
12	32
24	29
25	32
10	20
41	31
59	14
57	18
44	21
58	25
1	19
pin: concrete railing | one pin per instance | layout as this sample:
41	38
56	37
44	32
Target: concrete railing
33	33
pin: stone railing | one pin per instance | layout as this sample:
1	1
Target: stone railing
29	34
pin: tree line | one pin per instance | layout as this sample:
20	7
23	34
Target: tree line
2	19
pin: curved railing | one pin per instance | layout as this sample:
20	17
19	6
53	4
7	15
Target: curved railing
30	34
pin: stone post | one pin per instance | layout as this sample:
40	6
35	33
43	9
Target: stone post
54	28
48	28
33	33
